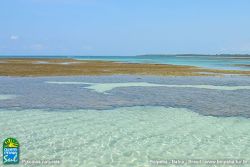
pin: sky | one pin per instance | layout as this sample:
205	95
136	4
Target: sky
124	27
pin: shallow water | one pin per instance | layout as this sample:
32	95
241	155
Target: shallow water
227	62
215	96
125	121
127	136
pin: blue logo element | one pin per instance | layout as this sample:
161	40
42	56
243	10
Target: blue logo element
10	151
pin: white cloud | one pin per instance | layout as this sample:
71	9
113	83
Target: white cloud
14	37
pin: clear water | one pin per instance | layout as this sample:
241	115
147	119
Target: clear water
126	121
210	61
126	136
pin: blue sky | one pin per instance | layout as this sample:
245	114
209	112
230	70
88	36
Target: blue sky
124	27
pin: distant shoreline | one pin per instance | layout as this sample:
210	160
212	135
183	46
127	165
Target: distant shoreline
224	55
70	67
153	54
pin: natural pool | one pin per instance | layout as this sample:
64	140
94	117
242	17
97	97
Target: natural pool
126	120
128	136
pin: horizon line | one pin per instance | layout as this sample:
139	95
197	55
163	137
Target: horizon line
148	54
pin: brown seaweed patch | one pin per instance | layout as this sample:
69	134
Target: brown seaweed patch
71	67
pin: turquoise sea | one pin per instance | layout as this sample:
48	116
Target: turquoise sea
228	62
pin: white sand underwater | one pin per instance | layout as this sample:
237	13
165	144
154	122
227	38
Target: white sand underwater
6	97
125	137
104	87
